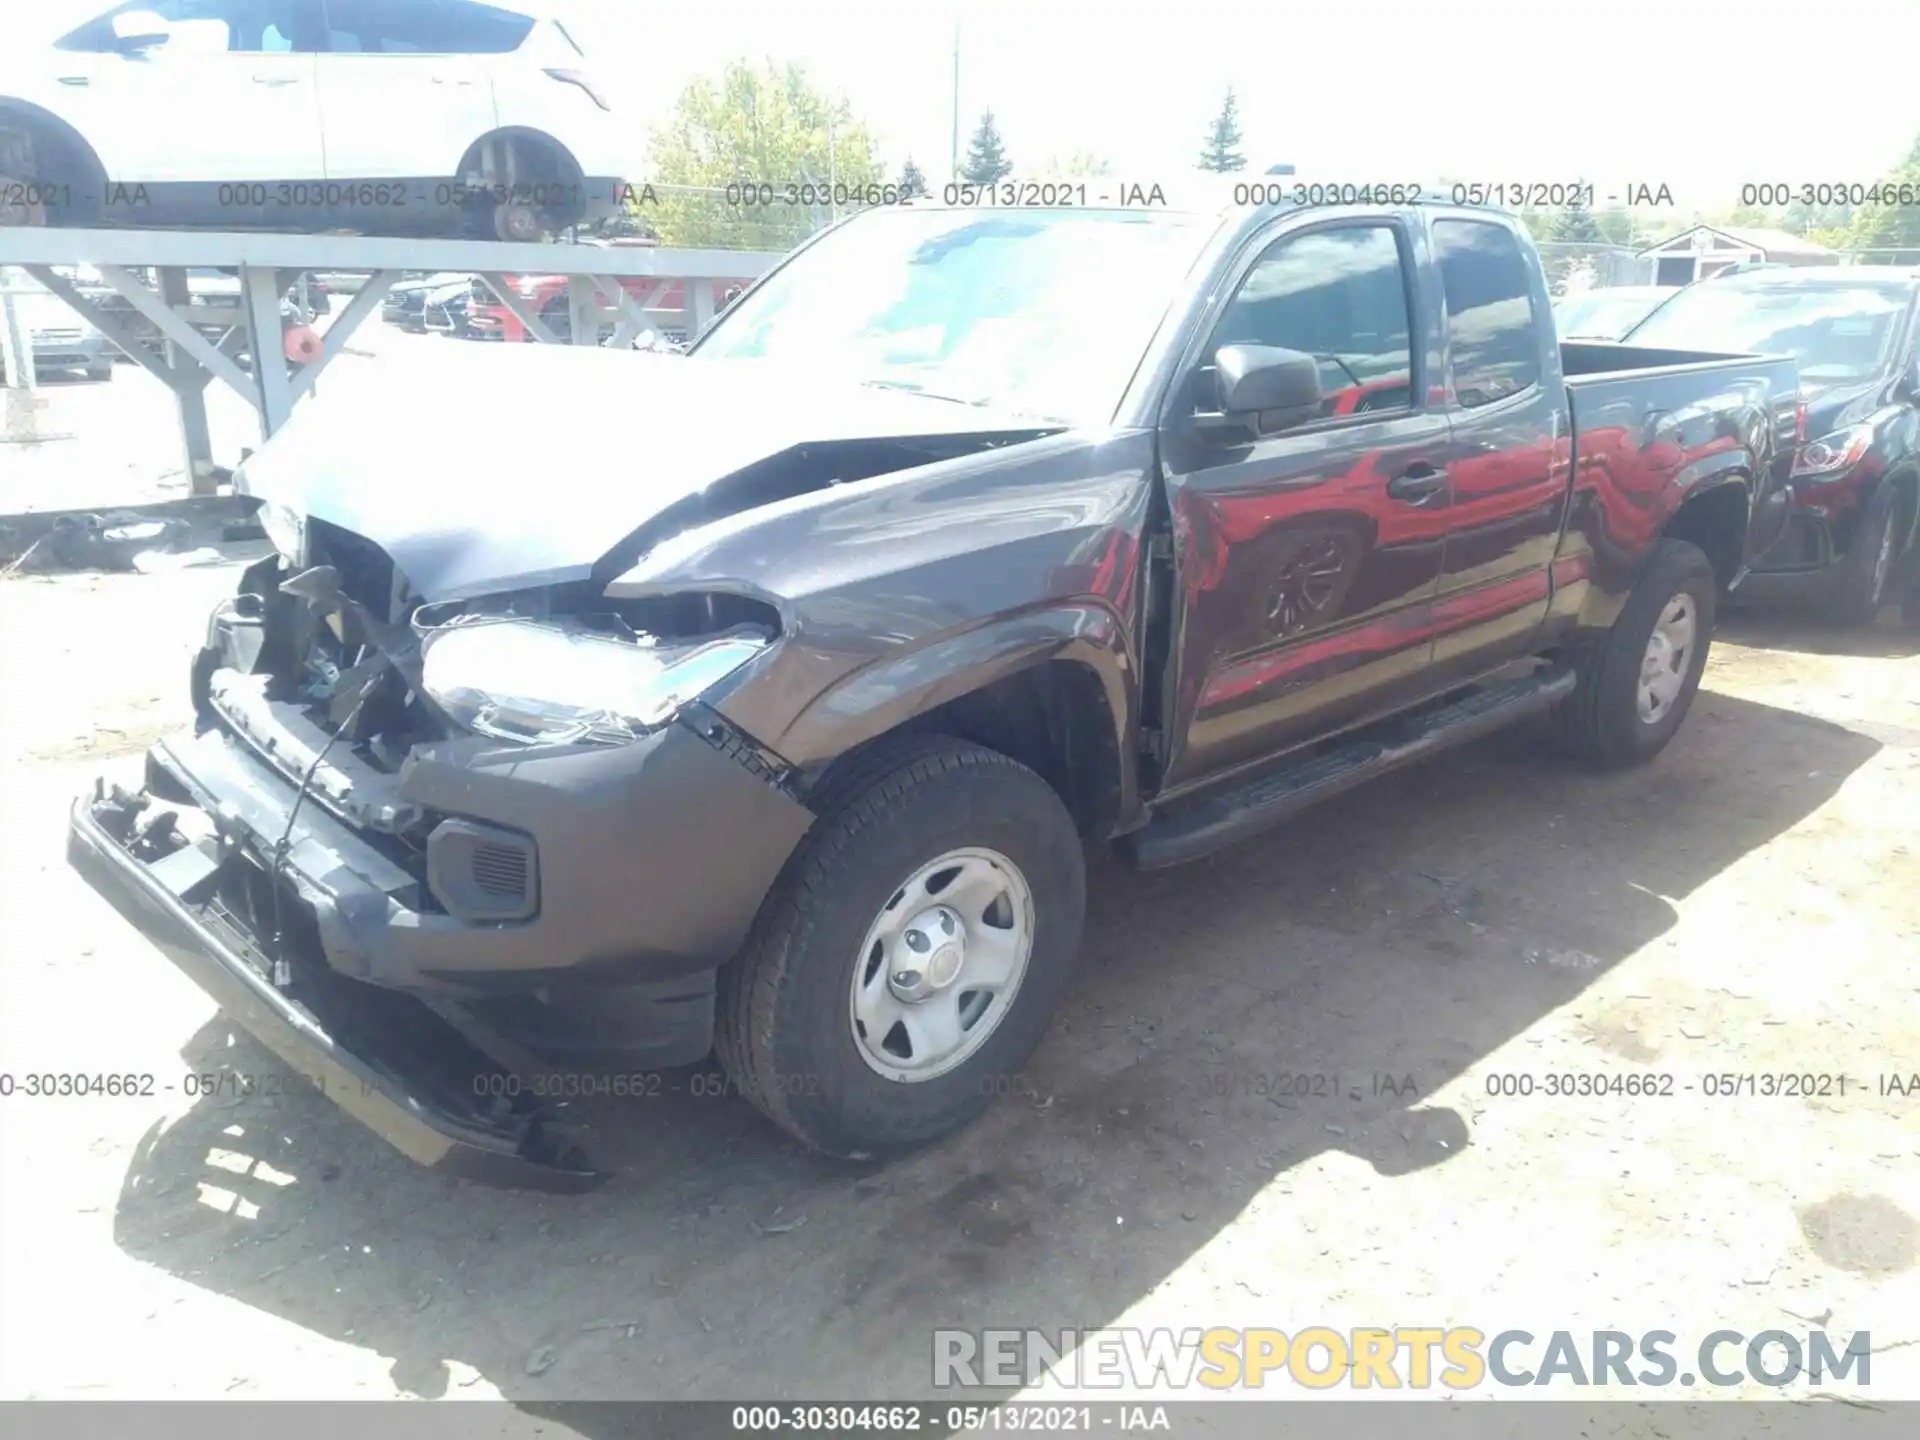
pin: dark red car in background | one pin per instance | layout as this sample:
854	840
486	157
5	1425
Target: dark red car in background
1855	509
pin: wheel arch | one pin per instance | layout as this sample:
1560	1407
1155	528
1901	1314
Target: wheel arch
1715	518
571	171
88	173
1038	688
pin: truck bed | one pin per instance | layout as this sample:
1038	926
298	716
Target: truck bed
1652	427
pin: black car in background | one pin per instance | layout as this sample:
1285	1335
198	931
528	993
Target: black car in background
406	302
1855	331
1609	312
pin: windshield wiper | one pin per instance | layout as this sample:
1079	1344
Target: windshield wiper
912	389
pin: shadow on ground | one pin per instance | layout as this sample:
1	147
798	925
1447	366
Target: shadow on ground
1797	631
1391	938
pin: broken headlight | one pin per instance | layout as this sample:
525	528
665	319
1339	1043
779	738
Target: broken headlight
286	528
551	682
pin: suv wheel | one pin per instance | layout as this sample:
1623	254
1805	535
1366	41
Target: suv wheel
1869	564
913	953
20	203
517	222
1636	683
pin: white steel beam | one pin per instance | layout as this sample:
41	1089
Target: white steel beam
365	301
522	311
189	340
260	291
44	246
114	327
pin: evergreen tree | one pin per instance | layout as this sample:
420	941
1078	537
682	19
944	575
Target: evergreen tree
912	182
1222	153
986	154
1575	225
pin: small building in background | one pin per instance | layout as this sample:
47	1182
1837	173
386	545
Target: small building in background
1708	249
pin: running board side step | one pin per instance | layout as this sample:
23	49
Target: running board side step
1193	831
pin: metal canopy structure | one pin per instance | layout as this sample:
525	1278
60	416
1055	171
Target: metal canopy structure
600	289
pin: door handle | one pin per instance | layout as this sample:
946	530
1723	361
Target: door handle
1418	484
76	79
275	81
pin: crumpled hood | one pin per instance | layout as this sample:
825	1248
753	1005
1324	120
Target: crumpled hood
492	469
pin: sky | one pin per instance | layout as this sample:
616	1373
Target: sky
1696	96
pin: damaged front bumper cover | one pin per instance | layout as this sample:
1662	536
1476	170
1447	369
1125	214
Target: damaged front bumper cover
374	1065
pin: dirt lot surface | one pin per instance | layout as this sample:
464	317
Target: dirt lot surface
1748	904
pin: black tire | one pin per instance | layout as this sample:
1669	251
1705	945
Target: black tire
784	1030
97	373
1600	722
1863	578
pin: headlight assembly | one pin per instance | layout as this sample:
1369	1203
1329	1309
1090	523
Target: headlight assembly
1832	453
286	528
556	682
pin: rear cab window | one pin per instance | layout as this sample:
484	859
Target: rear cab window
1493	336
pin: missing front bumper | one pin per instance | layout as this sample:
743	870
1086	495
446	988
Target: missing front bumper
387	1059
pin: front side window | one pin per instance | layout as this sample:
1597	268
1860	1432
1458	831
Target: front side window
1339	295
198	27
1490	325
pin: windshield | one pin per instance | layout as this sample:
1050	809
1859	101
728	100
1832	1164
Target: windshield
1837	333
1602	314
1045	313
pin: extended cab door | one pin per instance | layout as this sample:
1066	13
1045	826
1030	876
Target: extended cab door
228	95
1305	553
402	91
1507	451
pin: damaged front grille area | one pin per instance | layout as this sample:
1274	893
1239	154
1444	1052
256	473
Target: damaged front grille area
368	576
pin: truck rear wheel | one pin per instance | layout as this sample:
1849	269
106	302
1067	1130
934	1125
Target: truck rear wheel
1636	682
913	952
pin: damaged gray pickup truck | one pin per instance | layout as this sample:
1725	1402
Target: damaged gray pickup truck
538	759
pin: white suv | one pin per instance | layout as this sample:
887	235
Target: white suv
393	117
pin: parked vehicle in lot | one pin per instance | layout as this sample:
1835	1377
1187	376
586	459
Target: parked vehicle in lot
1608	313
445	312
546	296
1856	334
57	337
963	539
405	304
397	117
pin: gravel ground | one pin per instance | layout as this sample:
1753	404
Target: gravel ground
1749	903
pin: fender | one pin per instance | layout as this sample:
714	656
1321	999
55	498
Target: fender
572	173
905	684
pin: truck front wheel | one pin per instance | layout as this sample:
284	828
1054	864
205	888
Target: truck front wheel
1635	683
912	954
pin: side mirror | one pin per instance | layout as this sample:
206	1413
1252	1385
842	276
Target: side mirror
1255	379
135	31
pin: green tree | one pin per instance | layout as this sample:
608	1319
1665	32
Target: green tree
912	182
1891	225
1222	151
986	159
765	127
1081	165
1575	225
